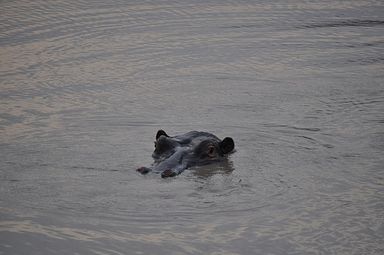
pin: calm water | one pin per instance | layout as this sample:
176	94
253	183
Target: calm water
85	85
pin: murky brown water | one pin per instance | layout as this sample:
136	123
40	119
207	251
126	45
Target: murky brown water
85	85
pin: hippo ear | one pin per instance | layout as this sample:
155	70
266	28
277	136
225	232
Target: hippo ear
160	133
227	145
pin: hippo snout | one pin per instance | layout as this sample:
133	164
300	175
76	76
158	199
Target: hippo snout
166	173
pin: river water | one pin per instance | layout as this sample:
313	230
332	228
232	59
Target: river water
298	85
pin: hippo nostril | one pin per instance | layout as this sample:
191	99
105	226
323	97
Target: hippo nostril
168	173
143	170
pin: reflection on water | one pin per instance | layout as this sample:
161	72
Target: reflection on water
85	84
226	167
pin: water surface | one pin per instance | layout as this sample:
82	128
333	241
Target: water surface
85	85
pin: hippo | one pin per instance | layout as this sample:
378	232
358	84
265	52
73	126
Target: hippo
174	154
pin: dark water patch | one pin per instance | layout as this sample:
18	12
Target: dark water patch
367	60
93	168
288	127
9	119
241	26
345	23
359	45
14	180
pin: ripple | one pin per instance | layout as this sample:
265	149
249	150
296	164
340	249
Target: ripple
346	23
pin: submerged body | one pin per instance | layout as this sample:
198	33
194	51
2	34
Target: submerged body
173	155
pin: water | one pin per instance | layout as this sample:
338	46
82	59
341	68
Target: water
85	85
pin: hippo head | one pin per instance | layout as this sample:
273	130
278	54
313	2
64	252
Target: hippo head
173	155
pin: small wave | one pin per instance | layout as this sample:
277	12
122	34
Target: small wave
345	23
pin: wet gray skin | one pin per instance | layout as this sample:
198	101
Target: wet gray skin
173	155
